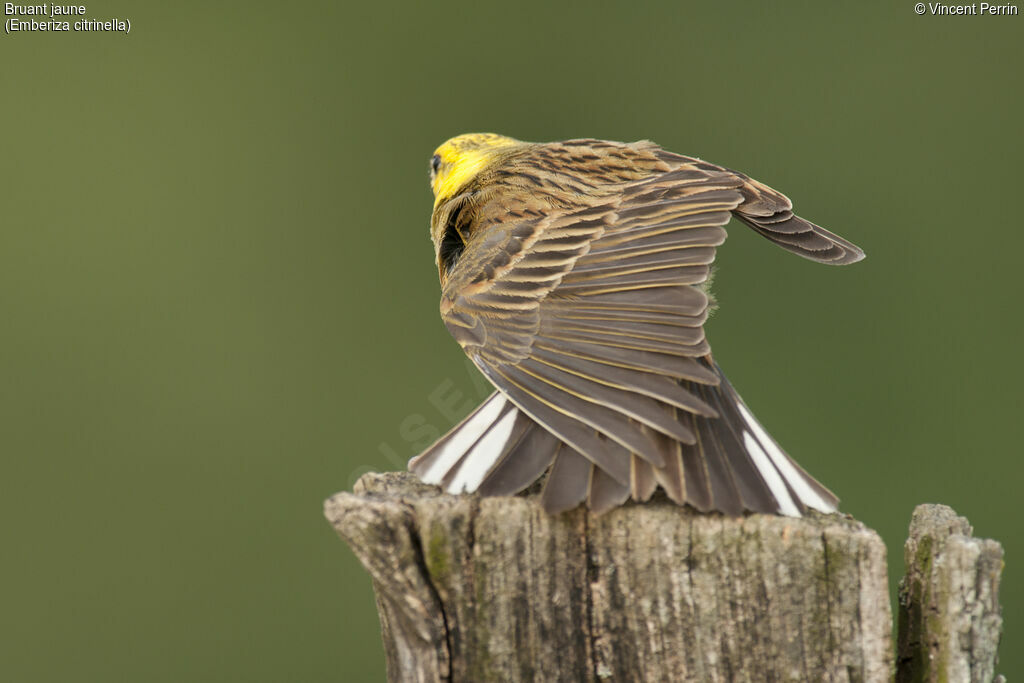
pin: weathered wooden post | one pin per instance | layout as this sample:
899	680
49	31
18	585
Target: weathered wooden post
493	589
950	619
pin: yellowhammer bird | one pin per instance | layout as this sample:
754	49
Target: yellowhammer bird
574	276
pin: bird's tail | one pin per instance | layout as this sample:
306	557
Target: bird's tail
736	465
733	466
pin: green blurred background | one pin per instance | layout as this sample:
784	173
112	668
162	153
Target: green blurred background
219	302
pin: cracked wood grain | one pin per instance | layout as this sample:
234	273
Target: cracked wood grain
493	589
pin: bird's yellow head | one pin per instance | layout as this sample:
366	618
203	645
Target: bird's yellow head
460	159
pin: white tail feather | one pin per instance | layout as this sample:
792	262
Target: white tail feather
782	464
771	476
479	461
464	439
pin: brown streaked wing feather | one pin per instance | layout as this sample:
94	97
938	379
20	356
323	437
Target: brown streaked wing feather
632	404
607	315
679	367
572	431
657	387
682	335
810	241
629	260
770	213
601	418
649	258
634	279
568	337
496	316
681	300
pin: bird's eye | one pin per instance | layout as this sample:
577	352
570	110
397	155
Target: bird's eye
435	163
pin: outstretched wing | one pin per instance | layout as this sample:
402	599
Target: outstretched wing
589	322
586	320
770	214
